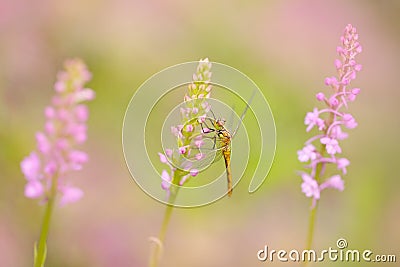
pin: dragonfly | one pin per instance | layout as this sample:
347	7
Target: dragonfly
215	130
222	141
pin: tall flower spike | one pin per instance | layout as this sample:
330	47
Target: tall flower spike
331	120
187	134
57	154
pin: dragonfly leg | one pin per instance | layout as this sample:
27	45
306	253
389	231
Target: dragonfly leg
215	141
209	129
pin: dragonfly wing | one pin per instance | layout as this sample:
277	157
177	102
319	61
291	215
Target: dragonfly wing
201	158
205	147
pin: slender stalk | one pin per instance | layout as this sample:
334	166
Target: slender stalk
41	248
313	212
311	226
159	244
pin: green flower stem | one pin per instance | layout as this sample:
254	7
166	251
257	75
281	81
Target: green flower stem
313	212
159	245
41	248
311	227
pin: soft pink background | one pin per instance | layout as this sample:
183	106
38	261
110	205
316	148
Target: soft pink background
286	47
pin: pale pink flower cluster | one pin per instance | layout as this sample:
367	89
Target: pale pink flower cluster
331	120
56	154
187	134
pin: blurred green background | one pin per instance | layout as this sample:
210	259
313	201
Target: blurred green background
286	47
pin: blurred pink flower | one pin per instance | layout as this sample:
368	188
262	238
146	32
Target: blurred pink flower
330	127
65	128
309	186
163	158
34	189
333	182
349	121
307	153
331	145
342	164
166	180
320	96
312	119
70	194
30	166
337	133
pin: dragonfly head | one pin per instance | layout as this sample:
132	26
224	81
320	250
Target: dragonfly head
221	122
